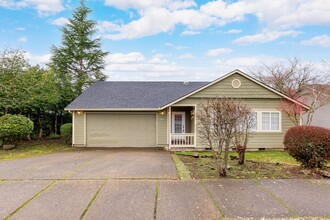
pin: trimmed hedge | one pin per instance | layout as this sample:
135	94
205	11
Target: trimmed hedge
66	132
309	145
14	127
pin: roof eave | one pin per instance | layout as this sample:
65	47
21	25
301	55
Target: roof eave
112	109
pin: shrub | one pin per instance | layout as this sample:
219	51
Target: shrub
14	127
54	136
309	145
66	132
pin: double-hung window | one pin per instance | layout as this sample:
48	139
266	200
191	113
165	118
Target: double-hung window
267	121
270	121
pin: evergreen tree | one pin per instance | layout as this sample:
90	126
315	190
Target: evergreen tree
79	61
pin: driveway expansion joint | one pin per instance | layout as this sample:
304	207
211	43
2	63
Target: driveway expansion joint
93	199
317	185
213	199
156	201
29	200
295	215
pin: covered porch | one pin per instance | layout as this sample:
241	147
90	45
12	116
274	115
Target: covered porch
182	127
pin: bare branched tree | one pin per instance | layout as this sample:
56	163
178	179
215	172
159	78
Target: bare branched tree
219	123
243	131
300	81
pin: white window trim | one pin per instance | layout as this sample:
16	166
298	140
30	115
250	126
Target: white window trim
259	121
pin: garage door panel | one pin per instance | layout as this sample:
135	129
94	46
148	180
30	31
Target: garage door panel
121	130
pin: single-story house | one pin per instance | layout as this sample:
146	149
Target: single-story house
160	114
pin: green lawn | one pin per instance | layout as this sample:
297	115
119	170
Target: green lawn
260	156
33	148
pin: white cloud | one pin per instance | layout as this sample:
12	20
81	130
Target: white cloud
322	40
177	47
44	7
264	37
233	31
157	60
60	21
175	5
186	56
147	25
107	26
22	39
277	19
188	32
218	51
37	59
20	28
247	64
280	14
132	57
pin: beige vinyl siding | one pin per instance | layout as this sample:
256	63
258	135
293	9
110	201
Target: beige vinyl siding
78	126
162	128
248	89
259	139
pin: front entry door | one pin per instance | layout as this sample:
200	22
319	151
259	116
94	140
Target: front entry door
178	122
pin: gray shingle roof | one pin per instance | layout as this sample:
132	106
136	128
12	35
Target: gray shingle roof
103	95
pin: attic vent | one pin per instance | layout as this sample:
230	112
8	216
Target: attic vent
236	83
186	83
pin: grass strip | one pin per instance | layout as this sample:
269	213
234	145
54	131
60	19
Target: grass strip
156	201
277	199
213	199
182	170
92	200
25	203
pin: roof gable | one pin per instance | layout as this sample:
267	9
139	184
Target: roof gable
247	89
223	87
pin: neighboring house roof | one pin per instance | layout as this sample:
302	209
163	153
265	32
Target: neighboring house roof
117	95
132	95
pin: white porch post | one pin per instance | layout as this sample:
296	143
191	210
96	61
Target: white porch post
169	119
195	126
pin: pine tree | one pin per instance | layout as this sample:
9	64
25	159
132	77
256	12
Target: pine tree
79	61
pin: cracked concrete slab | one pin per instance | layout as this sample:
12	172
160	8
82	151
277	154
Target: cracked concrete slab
124	199
13	194
185	200
63	200
301	196
239	198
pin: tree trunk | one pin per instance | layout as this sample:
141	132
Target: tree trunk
226	154
241	154
223	171
40	126
29	135
55	123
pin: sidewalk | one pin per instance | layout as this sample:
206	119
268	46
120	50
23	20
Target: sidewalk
164	199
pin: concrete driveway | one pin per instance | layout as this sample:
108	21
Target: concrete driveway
93	164
128	184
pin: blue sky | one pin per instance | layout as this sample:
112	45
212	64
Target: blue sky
177	39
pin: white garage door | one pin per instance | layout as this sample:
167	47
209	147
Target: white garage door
121	130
